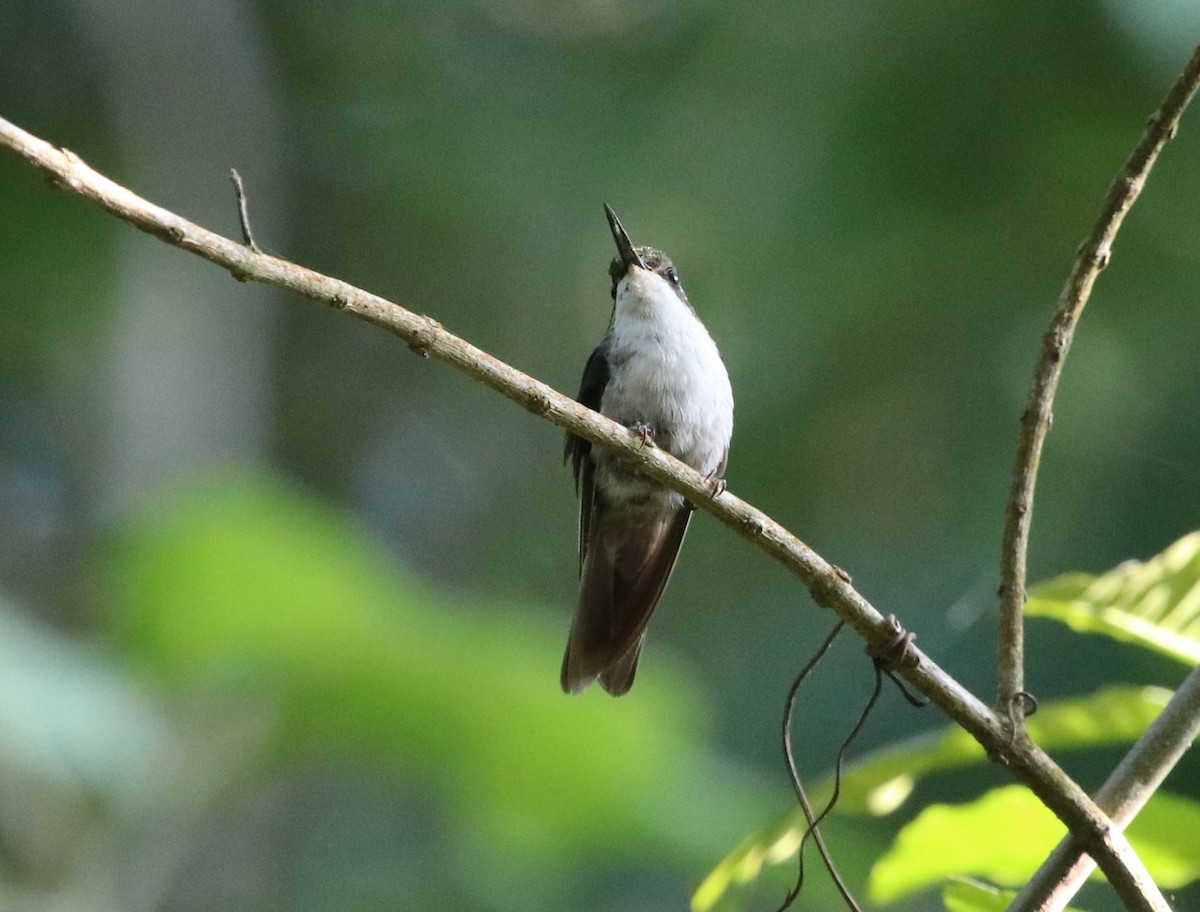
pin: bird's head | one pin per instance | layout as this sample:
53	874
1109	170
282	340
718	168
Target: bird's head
631	259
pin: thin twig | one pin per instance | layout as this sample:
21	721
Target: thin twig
1094	256
836	794
1126	792
239	189
798	785
829	587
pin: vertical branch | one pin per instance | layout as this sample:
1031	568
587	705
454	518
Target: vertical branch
1094	256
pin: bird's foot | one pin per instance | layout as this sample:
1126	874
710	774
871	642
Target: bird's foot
644	432
716	485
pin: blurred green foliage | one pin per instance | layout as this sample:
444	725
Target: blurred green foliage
247	592
327	681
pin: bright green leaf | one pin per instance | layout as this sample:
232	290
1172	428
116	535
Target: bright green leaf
1002	836
1155	604
1008	832
1166	834
881	781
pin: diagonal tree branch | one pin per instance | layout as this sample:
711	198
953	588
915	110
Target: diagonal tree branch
829	586
1125	793
1094	256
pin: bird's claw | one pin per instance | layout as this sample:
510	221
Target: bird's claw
644	432
717	486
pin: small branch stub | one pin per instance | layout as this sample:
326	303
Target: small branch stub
239	189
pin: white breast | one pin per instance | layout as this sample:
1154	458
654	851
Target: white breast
665	371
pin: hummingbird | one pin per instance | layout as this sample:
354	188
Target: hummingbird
658	372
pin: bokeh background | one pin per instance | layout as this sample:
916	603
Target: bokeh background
284	604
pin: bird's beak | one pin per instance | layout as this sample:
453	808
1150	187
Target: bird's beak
629	256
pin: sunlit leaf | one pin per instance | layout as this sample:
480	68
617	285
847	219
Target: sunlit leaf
1008	832
1155	604
1166	834
743	865
881	781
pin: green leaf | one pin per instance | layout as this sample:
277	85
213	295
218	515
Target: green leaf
1008	832
973	896
1002	836
1166	834
964	895
882	780
1155	604
743	864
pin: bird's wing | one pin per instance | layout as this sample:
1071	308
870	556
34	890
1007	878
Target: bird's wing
578	450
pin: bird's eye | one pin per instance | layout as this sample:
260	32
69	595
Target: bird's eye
672	276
